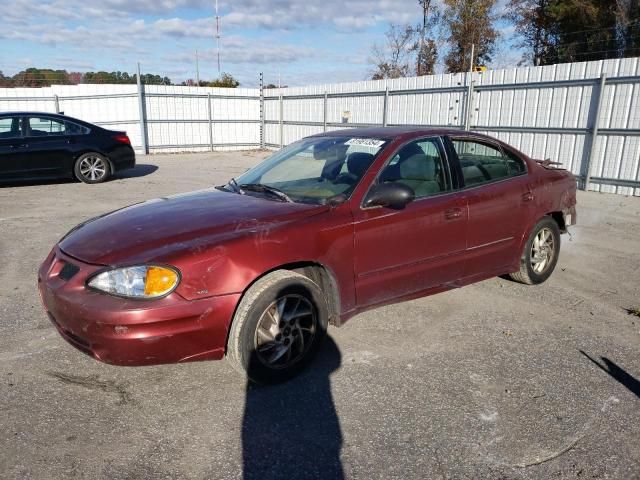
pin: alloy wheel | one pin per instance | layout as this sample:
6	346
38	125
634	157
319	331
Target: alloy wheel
542	251
285	331
93	168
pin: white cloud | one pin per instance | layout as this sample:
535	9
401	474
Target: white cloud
112	34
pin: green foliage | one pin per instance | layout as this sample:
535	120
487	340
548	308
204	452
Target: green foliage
5	81
226	80
558	31
469	22
42	77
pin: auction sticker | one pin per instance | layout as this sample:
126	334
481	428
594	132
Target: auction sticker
365	142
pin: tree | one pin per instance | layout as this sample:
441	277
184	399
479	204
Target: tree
5	81
586	29
392	59
554	31
125	78
427	52
628	16
226	80
40	77
536	28
469	22
76	77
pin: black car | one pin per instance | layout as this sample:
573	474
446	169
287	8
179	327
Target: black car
45	145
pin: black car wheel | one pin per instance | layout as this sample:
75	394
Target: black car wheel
278	327
92	168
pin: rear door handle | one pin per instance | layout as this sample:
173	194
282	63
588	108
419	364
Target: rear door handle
527	197
20	145
453	213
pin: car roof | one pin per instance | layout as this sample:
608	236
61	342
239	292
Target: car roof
399	131
47	114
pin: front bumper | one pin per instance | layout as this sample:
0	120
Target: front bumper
131	332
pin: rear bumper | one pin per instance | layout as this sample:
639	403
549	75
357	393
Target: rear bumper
123	157
132	332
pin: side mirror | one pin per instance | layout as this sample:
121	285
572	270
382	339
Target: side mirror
393	195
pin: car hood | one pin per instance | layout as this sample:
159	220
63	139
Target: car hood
157	229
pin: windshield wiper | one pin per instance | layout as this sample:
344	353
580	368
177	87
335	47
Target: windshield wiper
261	187
236	188
231	186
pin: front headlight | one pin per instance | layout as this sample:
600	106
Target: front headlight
144	281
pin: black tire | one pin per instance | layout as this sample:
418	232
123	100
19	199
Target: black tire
256	305
92	168
527	274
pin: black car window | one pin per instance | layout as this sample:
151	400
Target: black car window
10	127
45	126
480	162
419	165
75	129
515	163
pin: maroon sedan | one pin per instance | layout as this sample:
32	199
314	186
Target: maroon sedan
325	228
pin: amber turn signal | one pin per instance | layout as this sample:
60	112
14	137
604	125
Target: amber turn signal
159	280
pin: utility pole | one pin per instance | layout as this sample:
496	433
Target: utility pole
420	66
218	36
473	47
197	71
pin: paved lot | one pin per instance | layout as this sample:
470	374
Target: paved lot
486	382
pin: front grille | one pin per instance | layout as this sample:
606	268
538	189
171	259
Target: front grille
68	271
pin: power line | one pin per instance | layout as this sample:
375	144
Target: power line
616	27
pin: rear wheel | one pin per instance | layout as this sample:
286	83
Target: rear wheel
278	327
540	253
92	168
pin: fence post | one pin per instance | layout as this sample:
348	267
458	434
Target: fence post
210	121
594	133
262	113
469	107
56	103
385	106
142	113
324	114
281	122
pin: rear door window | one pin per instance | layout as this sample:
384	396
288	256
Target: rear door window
481	162
47	127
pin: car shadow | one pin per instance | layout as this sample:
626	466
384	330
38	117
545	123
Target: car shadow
618	373
140	170
291	430
35	183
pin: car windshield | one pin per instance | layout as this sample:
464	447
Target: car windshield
312	170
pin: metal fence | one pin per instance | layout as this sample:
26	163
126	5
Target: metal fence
584	115
157	118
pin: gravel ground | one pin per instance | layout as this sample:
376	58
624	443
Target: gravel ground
495	381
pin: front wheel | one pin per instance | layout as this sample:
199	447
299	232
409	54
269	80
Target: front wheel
540	253
92	168
278	327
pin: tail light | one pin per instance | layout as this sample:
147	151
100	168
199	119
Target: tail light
122	139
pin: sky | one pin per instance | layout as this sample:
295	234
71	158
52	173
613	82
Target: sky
294	42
